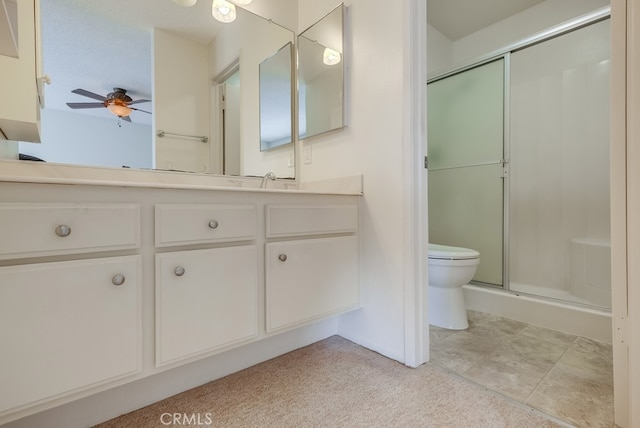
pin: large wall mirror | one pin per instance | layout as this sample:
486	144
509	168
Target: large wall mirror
202	78
276	124
321	76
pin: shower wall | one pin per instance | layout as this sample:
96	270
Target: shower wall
559	162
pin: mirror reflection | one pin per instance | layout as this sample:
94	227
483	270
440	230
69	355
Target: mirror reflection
172	55
321	76
275	100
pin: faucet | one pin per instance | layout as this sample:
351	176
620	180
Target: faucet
267	176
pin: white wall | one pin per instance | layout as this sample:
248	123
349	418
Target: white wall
68	137
282	12
181	102
252	41
440	50
371	145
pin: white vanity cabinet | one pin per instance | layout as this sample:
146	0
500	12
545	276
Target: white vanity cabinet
206	299
21	70
312	278
102	286
66	326
67	322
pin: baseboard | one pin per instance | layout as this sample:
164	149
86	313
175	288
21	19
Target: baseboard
592	323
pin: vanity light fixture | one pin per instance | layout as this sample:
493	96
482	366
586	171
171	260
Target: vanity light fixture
330	56
223	11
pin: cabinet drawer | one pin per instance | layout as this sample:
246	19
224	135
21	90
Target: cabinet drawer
295	220
199	224
32	229
66	326
205	300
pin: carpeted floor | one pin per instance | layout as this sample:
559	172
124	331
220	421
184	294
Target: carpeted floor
336	383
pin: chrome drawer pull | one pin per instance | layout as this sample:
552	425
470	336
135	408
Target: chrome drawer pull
282	257
213	224
63	231
179	271
118	279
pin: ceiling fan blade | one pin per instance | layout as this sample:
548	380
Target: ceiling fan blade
126	118
85	105
137	109
86	93
139	101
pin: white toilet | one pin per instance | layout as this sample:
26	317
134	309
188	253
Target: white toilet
449	269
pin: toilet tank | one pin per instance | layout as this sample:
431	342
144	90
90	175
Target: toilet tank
590	277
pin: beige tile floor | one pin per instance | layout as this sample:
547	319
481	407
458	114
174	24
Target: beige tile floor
568	377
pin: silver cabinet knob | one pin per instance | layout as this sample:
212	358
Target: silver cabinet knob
179	271
63	230
118	279
213	224
282	257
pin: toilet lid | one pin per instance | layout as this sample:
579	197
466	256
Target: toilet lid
444	252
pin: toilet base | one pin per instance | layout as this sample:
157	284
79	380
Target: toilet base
447	309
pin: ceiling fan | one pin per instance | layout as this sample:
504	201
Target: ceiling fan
117	102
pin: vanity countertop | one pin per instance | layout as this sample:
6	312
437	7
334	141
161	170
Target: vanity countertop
49	173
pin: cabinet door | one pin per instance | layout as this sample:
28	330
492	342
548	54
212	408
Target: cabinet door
65	326
205	300
310	279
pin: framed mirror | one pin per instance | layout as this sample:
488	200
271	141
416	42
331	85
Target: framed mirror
321	76
276	124
166	53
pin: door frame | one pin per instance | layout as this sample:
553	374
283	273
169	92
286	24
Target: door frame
625	211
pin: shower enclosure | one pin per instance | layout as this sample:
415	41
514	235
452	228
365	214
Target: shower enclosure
518	153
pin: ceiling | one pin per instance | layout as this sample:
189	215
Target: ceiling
97	45
458	18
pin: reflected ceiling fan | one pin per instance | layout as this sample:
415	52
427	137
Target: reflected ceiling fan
117	102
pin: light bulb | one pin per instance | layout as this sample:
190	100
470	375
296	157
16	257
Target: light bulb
186	2
223	11
330	56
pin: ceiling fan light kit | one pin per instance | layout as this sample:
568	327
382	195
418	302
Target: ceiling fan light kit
117	102
120	110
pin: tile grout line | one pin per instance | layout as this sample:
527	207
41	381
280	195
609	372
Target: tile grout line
549	371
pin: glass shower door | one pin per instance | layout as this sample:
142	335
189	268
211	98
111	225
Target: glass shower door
559	154
465	153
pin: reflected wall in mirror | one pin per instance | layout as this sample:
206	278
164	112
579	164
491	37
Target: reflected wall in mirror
276	124
101	47
214	90
321	76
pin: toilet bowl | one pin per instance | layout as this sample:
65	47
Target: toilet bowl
449	269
